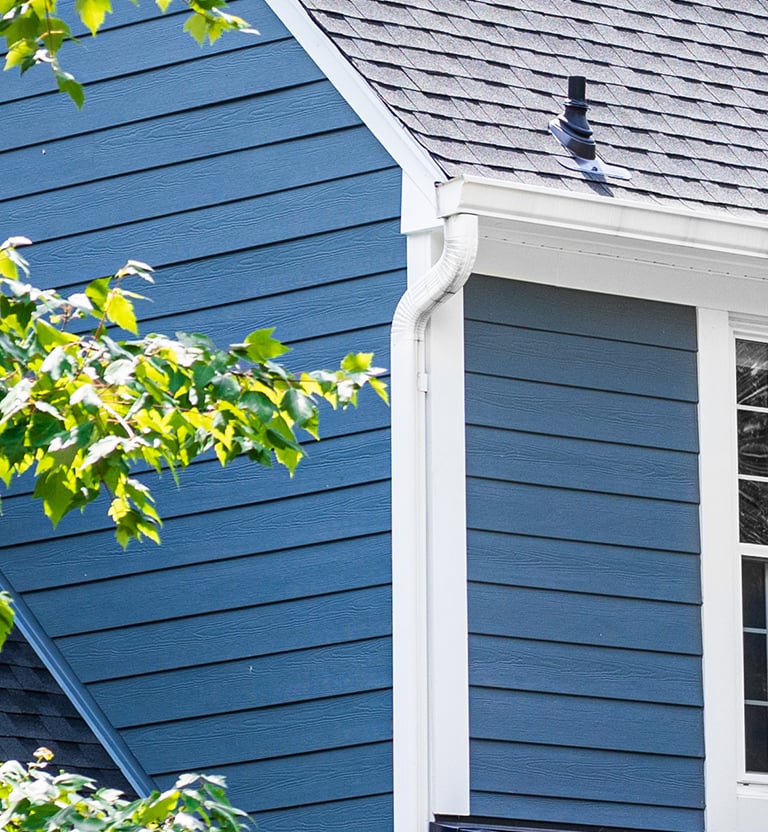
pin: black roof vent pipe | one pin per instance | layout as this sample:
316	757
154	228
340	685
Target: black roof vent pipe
571	128
573	132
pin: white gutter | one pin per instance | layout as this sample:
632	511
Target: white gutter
409	520
705	231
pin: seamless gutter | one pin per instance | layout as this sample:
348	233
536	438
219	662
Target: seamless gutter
693	229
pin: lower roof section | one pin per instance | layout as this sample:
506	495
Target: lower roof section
35	711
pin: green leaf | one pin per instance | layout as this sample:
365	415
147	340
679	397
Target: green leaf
10	259
357	362
68	85
42	428
20	53
197	27
7	266
262	346
55	32
227	387
381	389
7	616
50	337
119	310
93	12
98	292
202	374
299	407
258	404
55	491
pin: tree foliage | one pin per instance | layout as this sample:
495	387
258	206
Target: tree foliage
82	407
35	30
32	799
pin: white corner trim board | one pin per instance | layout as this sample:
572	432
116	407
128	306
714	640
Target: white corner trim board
721	607
411	613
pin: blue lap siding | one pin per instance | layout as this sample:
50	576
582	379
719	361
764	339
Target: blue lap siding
584	626
254	643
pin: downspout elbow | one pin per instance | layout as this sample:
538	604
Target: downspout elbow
444	279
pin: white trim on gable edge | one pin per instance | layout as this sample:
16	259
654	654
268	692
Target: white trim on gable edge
414	160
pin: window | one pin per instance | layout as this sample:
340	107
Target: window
752	454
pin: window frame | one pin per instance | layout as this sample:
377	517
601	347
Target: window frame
737	800
743	329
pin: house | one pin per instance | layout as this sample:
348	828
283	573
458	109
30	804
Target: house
515	599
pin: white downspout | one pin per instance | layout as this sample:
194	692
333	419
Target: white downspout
409	520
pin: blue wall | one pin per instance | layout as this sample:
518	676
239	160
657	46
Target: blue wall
256	642
585	644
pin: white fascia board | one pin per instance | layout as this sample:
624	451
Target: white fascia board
411	156
678	227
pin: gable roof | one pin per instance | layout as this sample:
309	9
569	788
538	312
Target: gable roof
678	90
35	711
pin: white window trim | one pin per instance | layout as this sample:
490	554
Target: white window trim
737	801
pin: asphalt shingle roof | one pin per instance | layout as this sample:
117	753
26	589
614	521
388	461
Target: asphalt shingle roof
678	89
34	712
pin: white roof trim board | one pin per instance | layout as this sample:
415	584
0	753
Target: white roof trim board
677	226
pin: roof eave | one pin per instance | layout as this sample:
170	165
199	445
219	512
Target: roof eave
679	227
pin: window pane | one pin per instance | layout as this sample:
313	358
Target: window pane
752	373
753	512
753	591
756	719
755	667
753	443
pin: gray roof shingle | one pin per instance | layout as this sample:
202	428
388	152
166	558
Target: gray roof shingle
678	88
34	712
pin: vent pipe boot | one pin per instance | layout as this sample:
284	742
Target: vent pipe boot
571	128
573	132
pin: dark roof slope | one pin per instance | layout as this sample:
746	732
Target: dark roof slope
34	712
678	88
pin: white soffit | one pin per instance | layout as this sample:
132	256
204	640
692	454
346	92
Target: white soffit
414	160
584	217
